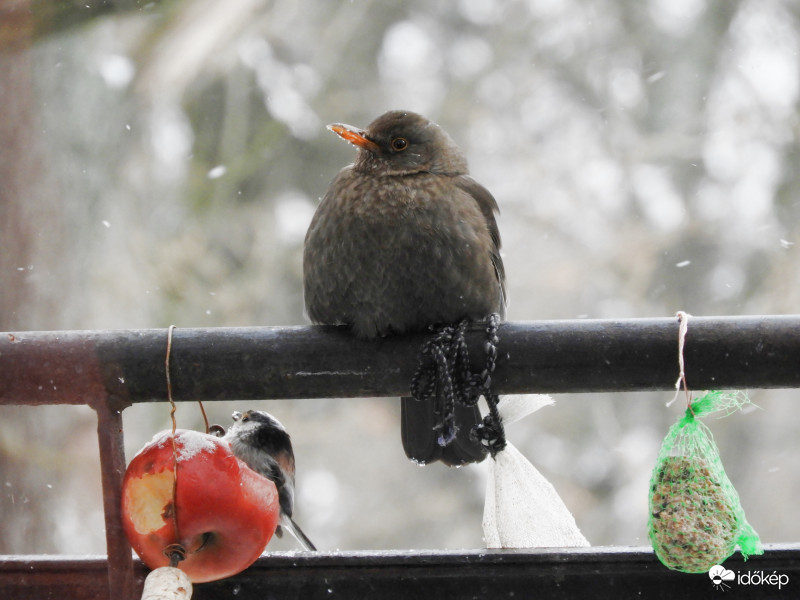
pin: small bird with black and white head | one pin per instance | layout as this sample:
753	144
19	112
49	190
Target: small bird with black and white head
262	443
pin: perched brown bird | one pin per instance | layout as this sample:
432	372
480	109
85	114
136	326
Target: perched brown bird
405	239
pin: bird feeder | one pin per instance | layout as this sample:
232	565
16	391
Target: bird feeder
187	499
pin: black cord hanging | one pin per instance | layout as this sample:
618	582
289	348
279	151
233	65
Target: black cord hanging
444	375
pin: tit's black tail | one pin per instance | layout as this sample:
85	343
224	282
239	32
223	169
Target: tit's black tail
421	438
288	523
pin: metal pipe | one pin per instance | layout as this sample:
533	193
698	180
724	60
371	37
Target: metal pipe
315	362
112	468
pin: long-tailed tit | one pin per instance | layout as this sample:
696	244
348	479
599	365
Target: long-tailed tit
259	439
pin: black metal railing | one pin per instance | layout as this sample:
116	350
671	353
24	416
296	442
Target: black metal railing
110	370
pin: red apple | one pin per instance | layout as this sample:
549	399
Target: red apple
226	512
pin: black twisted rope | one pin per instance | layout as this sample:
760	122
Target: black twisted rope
491	432
443	375
435	379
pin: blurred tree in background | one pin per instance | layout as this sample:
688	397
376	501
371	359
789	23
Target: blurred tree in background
160	162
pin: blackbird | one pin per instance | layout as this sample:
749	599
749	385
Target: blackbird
405	239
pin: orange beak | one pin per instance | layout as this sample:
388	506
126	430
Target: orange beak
354	135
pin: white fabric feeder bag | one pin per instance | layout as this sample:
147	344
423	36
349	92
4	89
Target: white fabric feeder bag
523	509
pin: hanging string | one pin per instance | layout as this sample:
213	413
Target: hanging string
169	383
169	388
491	431
443	376
205	416
683	329
440	376
175	552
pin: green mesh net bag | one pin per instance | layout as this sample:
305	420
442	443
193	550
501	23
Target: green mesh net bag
696	518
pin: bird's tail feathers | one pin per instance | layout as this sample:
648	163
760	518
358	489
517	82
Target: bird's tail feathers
293	528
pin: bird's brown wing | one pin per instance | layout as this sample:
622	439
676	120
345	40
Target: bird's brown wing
489	208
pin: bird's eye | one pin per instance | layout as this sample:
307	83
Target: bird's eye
399	144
